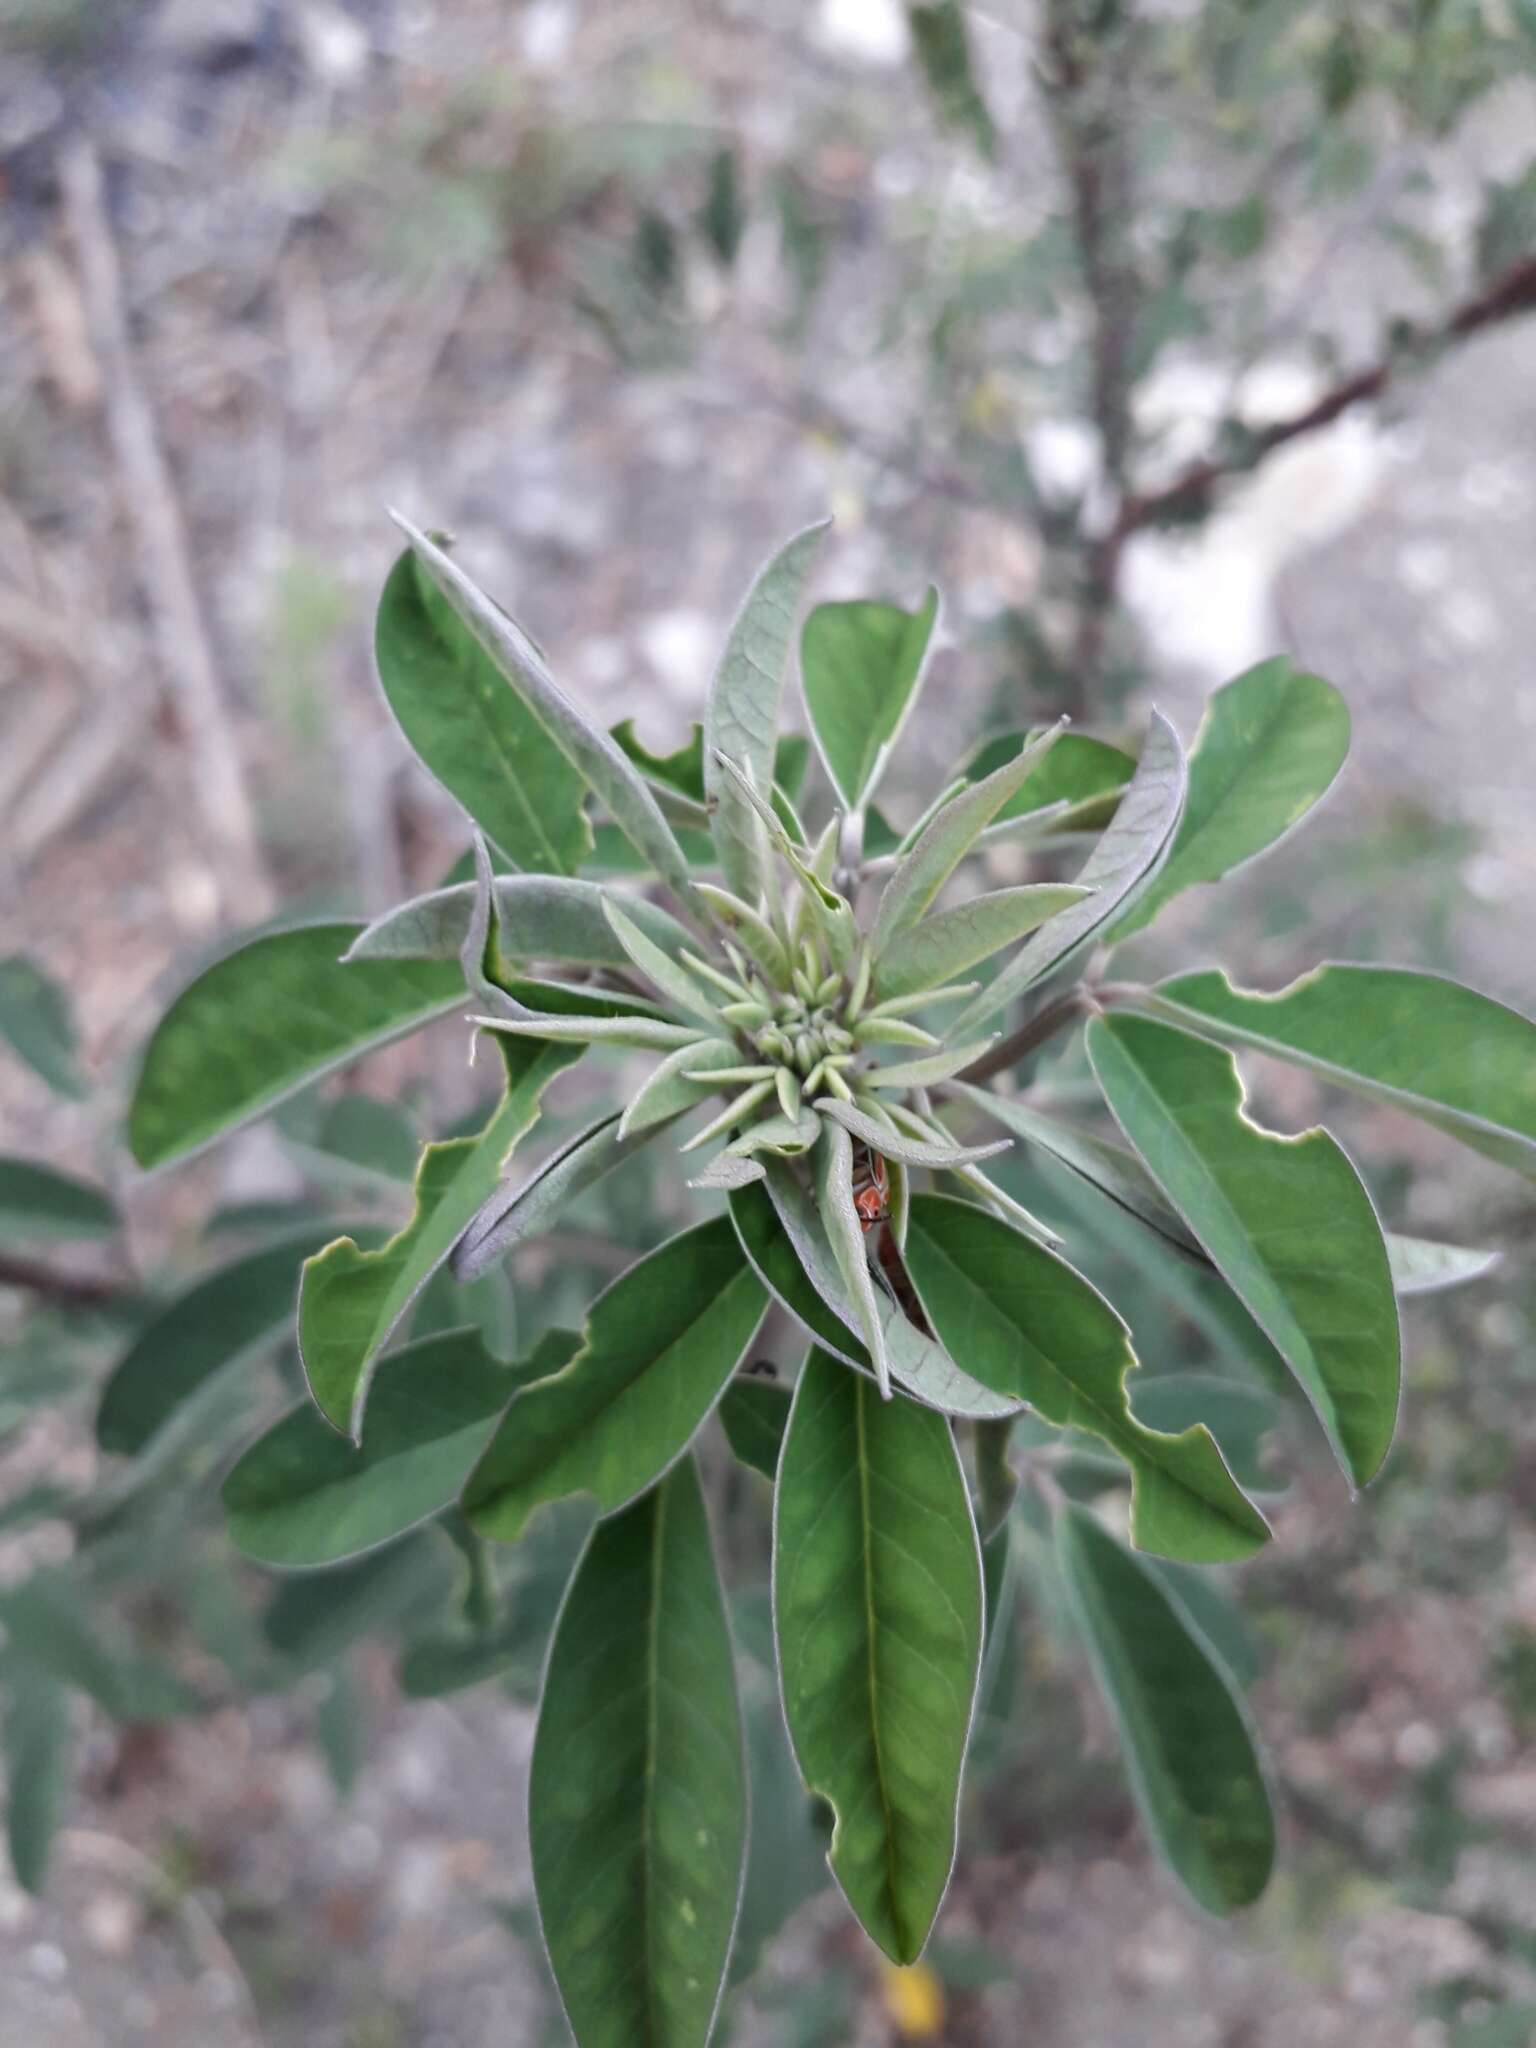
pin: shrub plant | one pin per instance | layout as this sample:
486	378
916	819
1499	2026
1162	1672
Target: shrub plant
842	1019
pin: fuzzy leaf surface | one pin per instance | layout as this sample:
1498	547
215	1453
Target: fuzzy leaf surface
943	843
1030	1326
1081	773
35	1021
660	1346
861	665
351	1301
1269	746
1421	1266
39	1743
1419	1042
557	918
226	1318
944	944
1287	1223
38	1202
1113	1169
741	719
301	1495
264	1022
878	1615
596	757
917	1360
514	1214
479	738
637	1796
1129	852
1193	1763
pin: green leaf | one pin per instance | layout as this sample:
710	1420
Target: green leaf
596	758
1420	1266
773	1258
786	1861
1193	1763
741	718
1285	1221
844	1231
35	1022
478	737
375	1139
881	1138
943	843
637	1796
1201	1595
942	946
50	1625
316	1616
928	1069
660	1347
722	219
942	45
513	1215
646	1033
668	1091
921	1364
682	990
1114	1170
351	1302
221	1323
38	1743
1030	1326
752	931
38	1201
997	1484
264	1022
1082	774
538	917
442	1660
878	1609
755	1415
1128	853
681	771
341	1728
1239	1417
1269	746
861	668
1418	1042
302	1495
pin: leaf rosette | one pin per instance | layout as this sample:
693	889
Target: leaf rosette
844	1024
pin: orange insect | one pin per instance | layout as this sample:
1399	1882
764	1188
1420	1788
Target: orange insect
871	1188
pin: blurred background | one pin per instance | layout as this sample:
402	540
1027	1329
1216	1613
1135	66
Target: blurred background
1163	337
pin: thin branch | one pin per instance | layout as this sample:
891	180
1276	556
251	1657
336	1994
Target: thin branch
68	1290
1510	294
154	511
1086	82
1055	1017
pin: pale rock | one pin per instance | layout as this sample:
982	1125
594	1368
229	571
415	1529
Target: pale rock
1206	599
868	31
334	45
680	647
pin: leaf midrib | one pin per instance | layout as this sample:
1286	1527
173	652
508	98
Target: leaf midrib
1241	768
652	1738
870	1625
482	703
1282	1328
596	1414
